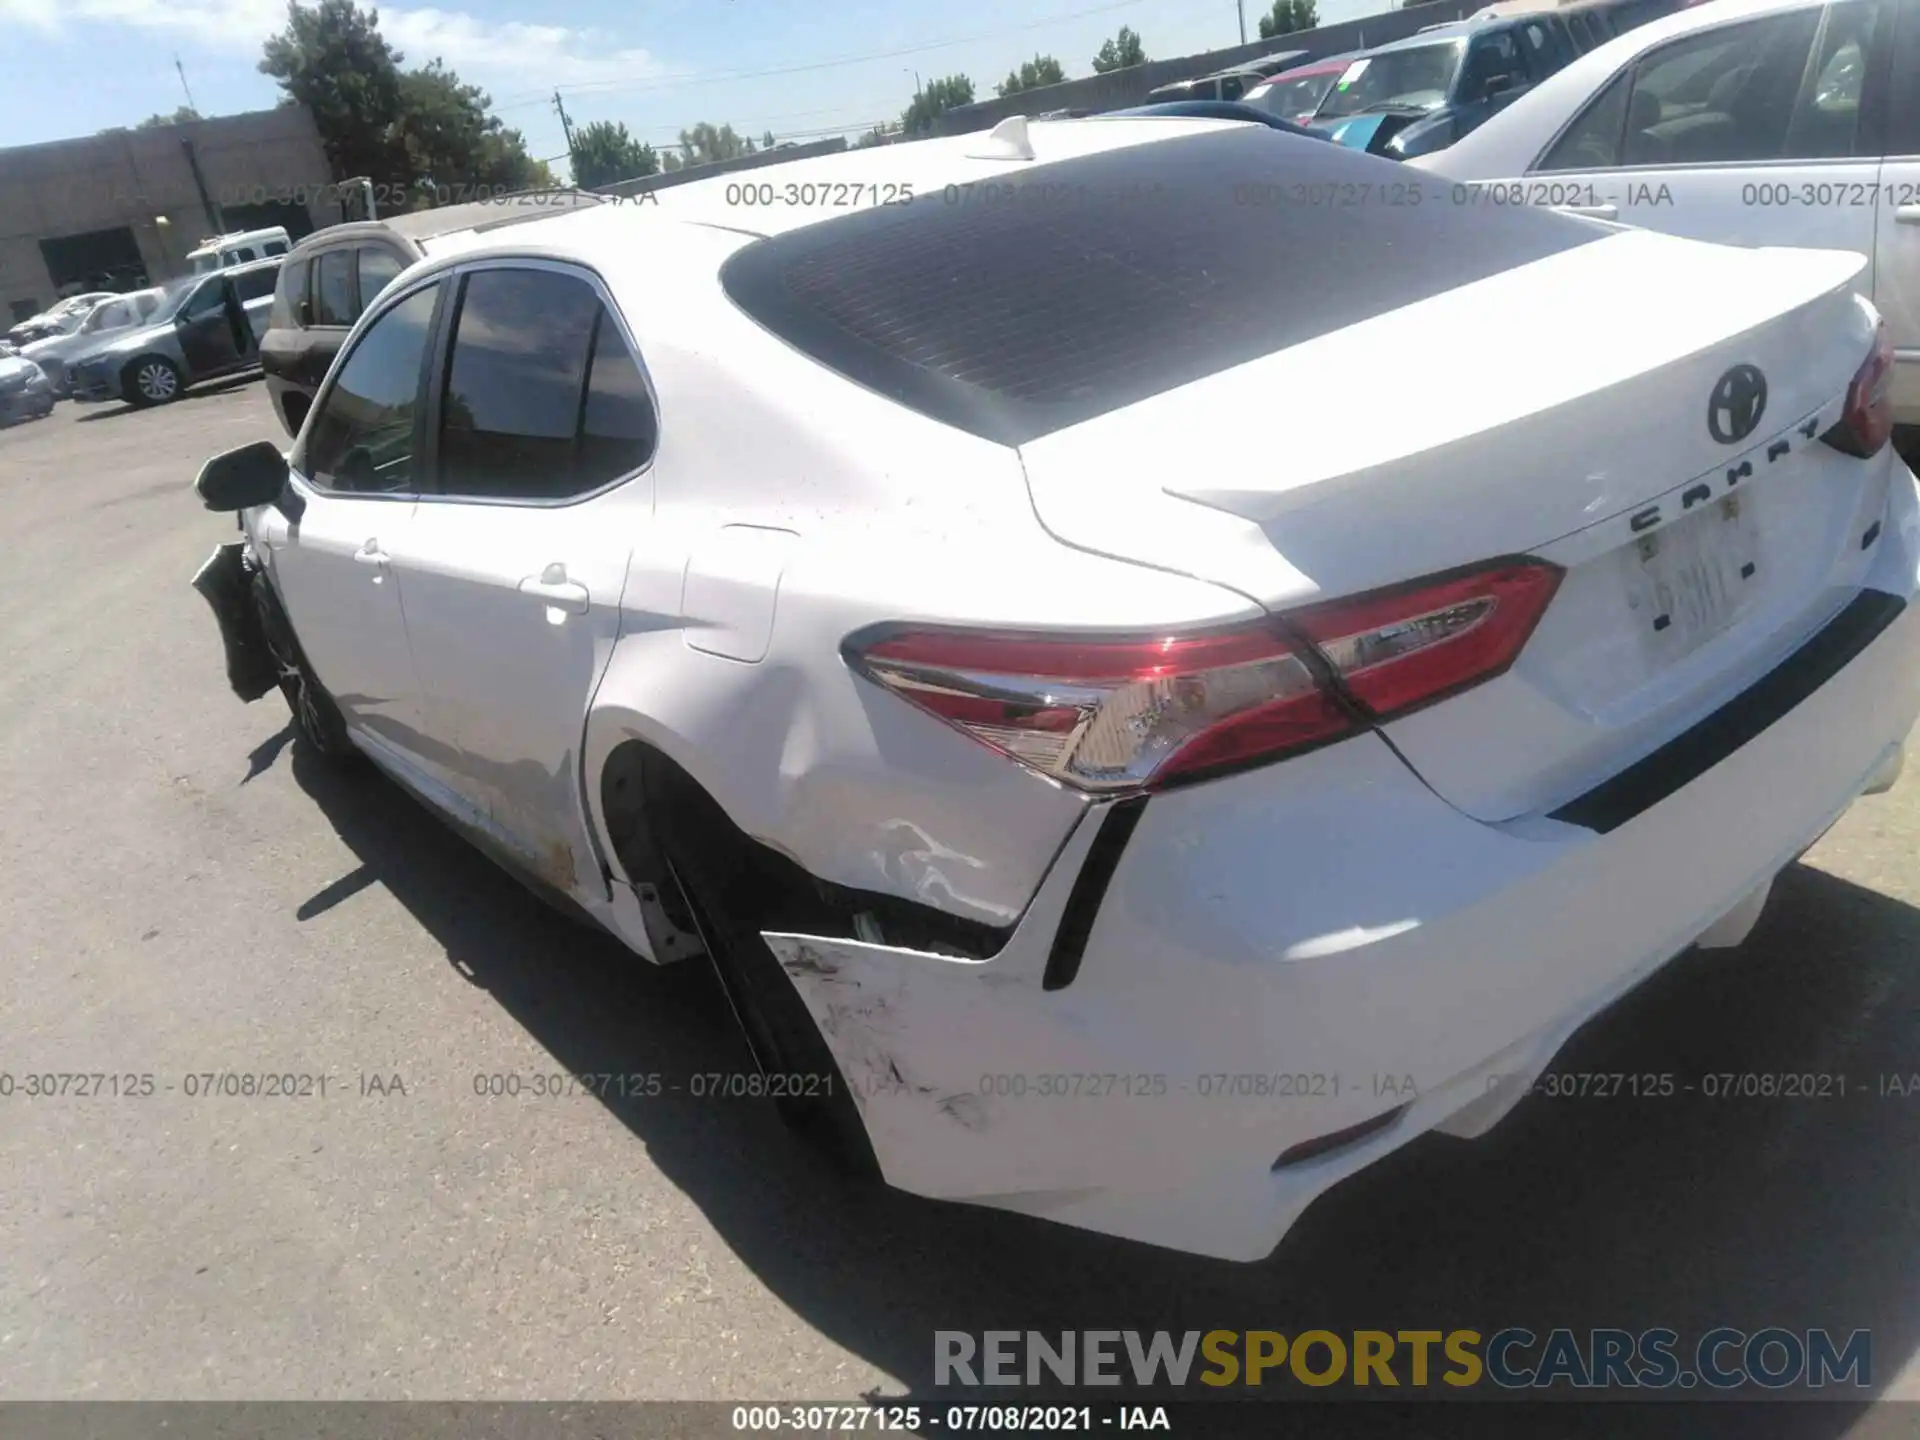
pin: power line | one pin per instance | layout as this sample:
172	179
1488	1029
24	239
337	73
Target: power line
676	82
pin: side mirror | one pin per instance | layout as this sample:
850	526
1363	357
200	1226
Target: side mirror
253	475
1498	85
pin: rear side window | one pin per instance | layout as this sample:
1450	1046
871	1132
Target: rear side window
378	267
1737	94
288	291
276	247
543	399
333	288
361	439
1123	274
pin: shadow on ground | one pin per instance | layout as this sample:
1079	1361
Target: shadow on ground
1685	1212
114	410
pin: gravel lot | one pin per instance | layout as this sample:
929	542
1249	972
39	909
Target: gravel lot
182	891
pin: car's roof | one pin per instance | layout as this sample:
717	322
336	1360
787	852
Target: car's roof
1315	67
422	225
1508	143
1438	35
1089	188
921	169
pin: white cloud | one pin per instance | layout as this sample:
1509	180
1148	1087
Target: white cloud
531	54
495	53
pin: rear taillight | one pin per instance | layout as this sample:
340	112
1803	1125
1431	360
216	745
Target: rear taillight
1867	422
1400	648
1123	713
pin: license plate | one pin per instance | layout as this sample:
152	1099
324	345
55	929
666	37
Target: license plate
1689	581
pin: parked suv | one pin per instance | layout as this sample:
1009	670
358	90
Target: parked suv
1423	93
334	274
206	327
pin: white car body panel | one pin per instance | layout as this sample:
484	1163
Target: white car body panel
1404	912
1866	204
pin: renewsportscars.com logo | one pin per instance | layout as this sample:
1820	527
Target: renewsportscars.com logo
1515	1358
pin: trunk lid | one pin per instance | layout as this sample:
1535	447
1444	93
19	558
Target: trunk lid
1567	409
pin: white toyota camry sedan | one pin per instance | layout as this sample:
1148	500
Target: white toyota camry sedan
834	570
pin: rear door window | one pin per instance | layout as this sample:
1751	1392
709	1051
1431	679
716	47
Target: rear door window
544	400
378	267
1724	96
333	302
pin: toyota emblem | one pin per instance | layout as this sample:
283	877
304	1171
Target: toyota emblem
1739	400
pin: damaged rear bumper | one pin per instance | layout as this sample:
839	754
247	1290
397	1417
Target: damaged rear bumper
226	582
1296	970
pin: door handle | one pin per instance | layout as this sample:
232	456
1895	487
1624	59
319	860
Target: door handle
371	554
551	587
1907	215
1597	212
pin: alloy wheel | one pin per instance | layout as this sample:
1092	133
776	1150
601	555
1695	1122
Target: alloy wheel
156	381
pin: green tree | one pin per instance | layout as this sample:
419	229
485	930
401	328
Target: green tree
705	143
604	152
885	133
1041	70
1118	53
766	141
333	59
185	115
1288	16
454	146
425	129
935	98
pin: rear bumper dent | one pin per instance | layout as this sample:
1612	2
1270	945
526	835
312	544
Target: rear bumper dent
1300	950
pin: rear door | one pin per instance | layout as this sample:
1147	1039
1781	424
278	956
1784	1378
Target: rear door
1897	251
513	573
1757	132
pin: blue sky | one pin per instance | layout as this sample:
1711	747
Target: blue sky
71	67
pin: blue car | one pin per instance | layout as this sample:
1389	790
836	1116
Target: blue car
1423	93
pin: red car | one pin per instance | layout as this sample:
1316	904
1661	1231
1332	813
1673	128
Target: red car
1295	94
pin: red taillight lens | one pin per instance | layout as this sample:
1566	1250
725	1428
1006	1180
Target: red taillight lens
1867	422
1114	714
1111	714
1411	645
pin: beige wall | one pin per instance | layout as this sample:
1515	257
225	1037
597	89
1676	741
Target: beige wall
131	177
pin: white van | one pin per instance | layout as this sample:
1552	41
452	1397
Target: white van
219	252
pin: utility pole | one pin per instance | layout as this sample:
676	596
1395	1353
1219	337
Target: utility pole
181	70
1241	5
567	126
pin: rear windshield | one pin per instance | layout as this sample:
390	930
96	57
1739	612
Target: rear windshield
1087	285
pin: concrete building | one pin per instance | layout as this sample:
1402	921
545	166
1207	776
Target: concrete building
121	209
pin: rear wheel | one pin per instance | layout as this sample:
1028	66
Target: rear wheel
726	892
317	719
151	380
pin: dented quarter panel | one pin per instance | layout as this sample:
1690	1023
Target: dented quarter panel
884	515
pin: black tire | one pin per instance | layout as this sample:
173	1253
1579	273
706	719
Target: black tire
316	719
151	380
724	889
